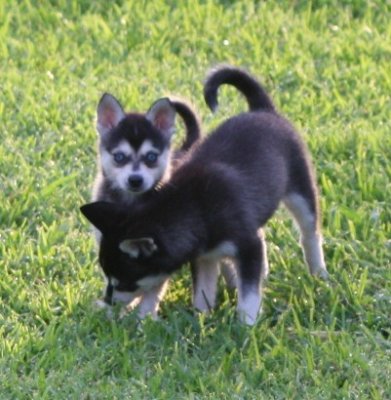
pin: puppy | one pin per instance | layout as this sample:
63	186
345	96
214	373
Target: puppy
213	207
135	150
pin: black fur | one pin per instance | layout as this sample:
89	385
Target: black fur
256	96
192	124
135	129
231	185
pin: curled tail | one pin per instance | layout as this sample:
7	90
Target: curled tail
256	96
192	124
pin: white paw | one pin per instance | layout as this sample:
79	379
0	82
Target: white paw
249	320
102	305
321	273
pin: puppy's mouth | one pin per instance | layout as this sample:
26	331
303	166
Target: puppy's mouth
136	191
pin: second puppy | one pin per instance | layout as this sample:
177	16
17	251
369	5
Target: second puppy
213	207
135	153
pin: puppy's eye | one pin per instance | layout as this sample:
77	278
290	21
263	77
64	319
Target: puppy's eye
120	158
151	157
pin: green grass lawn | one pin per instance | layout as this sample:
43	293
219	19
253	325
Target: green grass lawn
327	65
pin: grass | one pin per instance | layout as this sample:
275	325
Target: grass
326	64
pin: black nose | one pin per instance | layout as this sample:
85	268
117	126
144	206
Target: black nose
135	182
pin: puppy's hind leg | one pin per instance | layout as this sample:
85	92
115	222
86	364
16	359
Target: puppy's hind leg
305	213
249	267
228	268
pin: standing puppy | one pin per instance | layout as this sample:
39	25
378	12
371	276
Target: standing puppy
213	207
135	150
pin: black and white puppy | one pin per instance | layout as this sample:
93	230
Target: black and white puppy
213	207
135	150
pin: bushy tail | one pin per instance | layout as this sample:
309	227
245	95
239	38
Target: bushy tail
256	96
192	124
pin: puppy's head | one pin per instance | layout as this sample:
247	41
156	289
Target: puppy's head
134	148
132	265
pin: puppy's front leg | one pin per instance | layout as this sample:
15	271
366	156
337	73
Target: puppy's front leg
205	272
150	300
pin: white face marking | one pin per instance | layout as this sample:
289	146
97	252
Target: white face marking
120	296
152	176
119	175
311	238
148	283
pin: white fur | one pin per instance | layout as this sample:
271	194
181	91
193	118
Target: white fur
249	305
151	281
224	249
132	250
148	297
153	175
124	297
119	175
311	238
120	296
101	305
205	289
207	272
265	261
149	304
228	270
135	247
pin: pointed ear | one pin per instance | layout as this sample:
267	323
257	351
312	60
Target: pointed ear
162	115
103	215
109	114
138	247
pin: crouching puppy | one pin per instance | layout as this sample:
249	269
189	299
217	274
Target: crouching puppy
213	207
